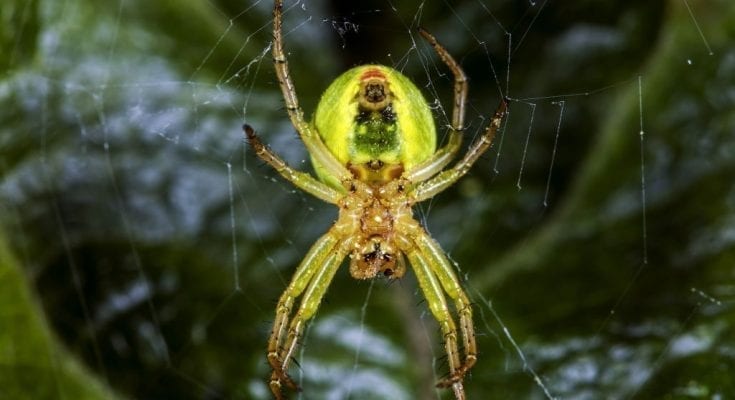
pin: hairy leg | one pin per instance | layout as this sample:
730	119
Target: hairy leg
308	135
444	155
432	290
440	266
302	180
316	261
438	183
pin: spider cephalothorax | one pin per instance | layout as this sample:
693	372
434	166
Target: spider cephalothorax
373	214
373	146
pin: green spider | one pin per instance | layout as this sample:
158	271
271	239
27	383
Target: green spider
373	146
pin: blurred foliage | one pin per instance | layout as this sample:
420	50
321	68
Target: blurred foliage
19	28
123	168
32	364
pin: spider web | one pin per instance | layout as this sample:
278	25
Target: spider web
595	238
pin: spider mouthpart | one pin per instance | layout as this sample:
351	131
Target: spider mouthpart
369	257
388	271
375	257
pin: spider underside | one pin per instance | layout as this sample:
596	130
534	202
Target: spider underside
375	228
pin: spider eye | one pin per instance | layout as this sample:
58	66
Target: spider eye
369	257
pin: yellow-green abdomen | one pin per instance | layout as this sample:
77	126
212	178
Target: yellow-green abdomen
376	122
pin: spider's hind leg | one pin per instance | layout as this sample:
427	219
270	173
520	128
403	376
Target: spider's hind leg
430	188
444	155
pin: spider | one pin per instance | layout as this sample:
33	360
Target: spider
373	146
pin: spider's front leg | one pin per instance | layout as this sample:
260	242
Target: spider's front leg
312	278
317	258
437	261
431	285
436	277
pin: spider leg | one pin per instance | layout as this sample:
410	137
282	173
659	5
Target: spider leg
318	273
311	139
319	257
300	179
438	183
444	155
439	264
431	285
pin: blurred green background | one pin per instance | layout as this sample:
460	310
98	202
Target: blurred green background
143	246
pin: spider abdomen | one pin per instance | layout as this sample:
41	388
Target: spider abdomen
376	122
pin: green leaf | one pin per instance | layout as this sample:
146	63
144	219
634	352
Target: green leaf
33	365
